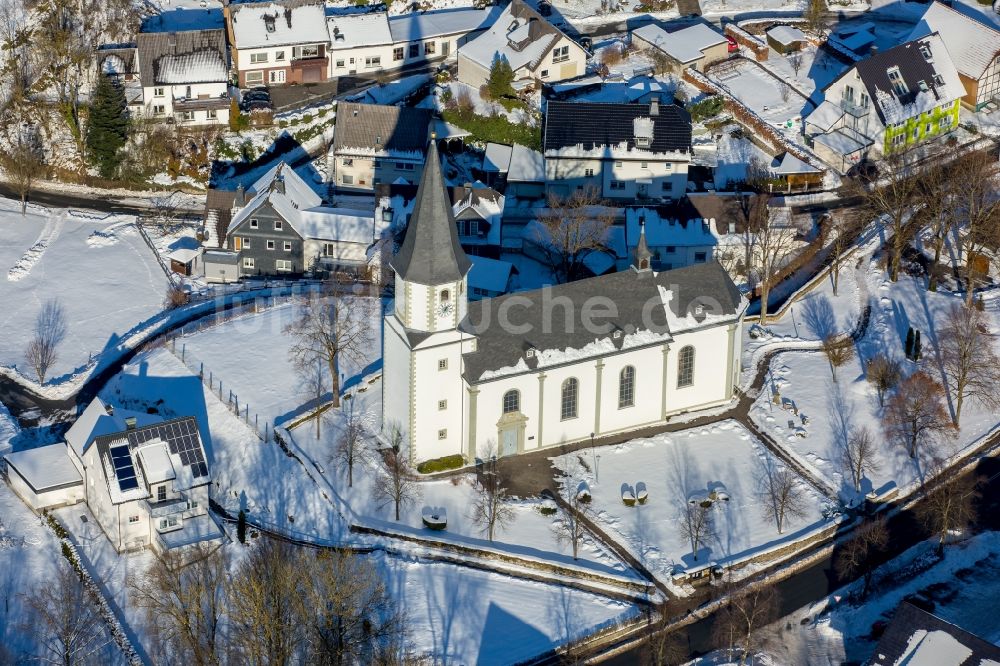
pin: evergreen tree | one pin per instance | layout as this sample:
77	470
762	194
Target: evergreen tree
241	527
500	83
909	343
916	347
107	129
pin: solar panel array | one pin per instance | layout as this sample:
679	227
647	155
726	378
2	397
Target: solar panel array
124	469
181	437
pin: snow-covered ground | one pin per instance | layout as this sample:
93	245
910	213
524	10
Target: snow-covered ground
773	100
99	269
673	466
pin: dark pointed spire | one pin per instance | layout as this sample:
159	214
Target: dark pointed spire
642	254
431	253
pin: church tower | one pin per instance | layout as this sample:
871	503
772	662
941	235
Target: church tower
422	347
643	257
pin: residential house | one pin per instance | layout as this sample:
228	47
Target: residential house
489	278
974	47
517	171
889	101
375	144
676	235
695	47
458	374
621	151
278	42
534	48
280	226
916	637
145	480
185	76
786	38
477	209
373	42
120	61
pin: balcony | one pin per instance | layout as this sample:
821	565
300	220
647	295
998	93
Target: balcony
173	507
201	104
852	109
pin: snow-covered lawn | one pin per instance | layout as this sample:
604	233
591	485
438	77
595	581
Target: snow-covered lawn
817	70
673	466
100	270
833	408
763	93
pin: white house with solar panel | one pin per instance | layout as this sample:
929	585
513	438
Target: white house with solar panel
144	479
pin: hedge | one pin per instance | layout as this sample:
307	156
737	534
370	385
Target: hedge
441	464
495	128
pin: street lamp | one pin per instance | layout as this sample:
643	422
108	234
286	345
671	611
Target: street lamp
593	452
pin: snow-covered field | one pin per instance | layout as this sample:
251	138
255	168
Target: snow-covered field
100	270
833	408
673	466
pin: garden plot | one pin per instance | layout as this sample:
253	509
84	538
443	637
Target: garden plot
105	277
771	99
673	467
833	408
818	68
249	354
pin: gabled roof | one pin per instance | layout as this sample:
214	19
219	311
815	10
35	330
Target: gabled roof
417	26
520	35
380	129
192	56
593	125
930	81
354	30
675	297
684	45
93	422
786	35
278	23
972	45
917	638
431	253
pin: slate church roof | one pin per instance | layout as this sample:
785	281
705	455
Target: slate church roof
431	253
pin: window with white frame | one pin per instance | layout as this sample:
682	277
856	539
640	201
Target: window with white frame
373	61
159	110
442	405
283	266
248	262
429	48
258	58
133	520
278	225
589	173
347	179
511	401
414	50
253	223
560	54
443	364
270	245
246	243
340	64
896	79
276	76
158	92
161	494
685	367
545	73
443	433
626	387
617	185
570	393
255	77
288	246
187	116
279	56
211	114
397	53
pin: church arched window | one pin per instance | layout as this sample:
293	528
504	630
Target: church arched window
626	387
511	401
445	295
570	393
685	367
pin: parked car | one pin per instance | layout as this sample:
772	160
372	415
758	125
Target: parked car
256	99
732	45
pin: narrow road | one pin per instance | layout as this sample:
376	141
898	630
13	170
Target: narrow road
103	203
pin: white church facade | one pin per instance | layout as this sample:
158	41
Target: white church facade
551	366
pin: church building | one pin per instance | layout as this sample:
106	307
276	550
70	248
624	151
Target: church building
555	365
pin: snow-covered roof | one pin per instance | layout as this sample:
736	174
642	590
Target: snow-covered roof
685	45
353	30
303	209
175	58
786	35
417	26
599	262
526	165
45	468
825	116
519	35
184	255
93	422
840	142
489	274
790	164
203	67
279	23
185	18
497	158
972	45
666	230
155	460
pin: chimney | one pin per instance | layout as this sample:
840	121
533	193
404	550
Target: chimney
654	106
110	409
172	40
872	50
240	199
130	423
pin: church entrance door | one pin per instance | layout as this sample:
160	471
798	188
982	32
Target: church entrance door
508	442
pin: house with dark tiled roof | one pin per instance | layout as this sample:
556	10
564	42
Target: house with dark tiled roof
888	101
185	76
373	144
916	637
144	479
535	369
536	50
620	151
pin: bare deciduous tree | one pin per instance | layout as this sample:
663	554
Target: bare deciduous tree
839	349
893	198
844	229
884	373
978	209
697	525
970	362
571	228
915	415
772	247
950	507
857	455
784	90
50	331
184	598
936	189
66	621
571	528
856	555
24	161
666	646
746	611
313	378
333	330
490	507
795	61
350	449
779	492
394	482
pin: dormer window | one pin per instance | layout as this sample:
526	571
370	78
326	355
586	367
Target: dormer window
530	353
896	79
925	51
938	80
922	85
269	22
618	334
642	141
